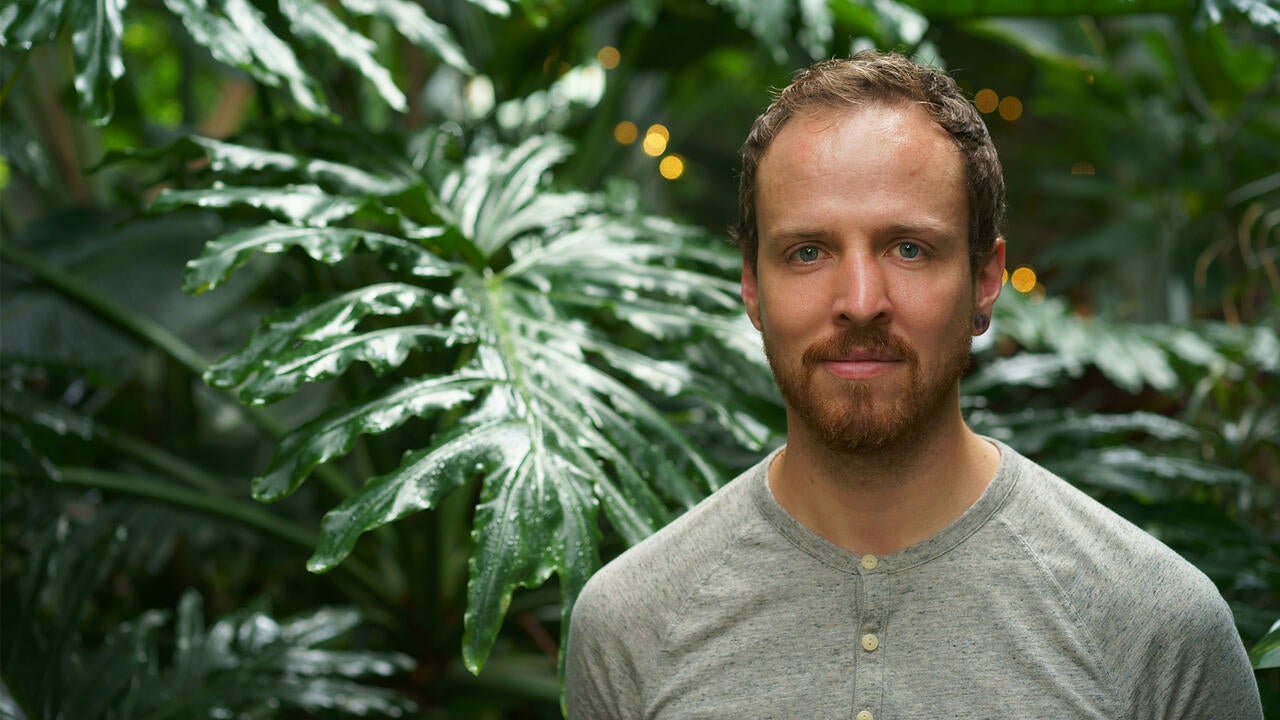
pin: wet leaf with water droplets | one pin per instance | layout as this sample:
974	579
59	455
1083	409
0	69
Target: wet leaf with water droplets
329	245
333	433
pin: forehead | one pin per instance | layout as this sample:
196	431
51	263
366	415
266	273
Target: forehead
879	158
895	125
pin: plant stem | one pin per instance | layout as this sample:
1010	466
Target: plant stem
13	79
137	325
165	462
225	508
153	333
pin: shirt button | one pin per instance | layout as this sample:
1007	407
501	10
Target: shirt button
866	715
869	562
870	642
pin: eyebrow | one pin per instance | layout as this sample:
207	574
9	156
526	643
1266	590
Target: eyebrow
925	229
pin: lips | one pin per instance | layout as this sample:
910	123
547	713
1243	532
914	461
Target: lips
861	369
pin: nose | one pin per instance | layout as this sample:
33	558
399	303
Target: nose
862	292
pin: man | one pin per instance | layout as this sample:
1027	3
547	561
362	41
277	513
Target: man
889	563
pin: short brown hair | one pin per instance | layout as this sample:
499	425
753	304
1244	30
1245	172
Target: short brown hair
870	77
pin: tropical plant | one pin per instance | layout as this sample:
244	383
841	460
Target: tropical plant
440	287
519	296
246	665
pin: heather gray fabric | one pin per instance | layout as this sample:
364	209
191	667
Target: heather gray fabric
1038	602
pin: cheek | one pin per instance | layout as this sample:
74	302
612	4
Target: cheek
790	310
935	308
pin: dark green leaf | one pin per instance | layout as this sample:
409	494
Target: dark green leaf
27	22
340	178
1259	12
1266	654
9	707
330	318
816	31
328	245
423	479
333	433
900	21
223	39
313	21
768	20
535	517
317	361
499	194
551	109
987	8
275	56
113	667
96	27
410	21
499	8
302	204
1030	369
1134	471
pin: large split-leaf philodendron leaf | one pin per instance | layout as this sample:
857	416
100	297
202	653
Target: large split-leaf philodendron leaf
555	327
327	245
237	33
315	22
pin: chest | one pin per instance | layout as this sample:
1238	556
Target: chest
955	640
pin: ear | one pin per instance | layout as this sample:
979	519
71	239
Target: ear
750	293
989	280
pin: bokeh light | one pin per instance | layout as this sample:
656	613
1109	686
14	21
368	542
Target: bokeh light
655	140
609	57
671	167
1023	279
1011	108
986	100
626	132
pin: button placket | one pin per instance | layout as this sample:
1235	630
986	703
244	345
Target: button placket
871	672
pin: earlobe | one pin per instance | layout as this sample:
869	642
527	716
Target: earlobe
750	293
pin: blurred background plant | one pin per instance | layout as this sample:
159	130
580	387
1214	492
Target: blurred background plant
446	284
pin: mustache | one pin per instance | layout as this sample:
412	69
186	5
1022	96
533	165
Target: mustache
873	339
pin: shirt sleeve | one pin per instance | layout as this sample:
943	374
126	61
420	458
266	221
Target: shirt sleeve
1201	670
601	679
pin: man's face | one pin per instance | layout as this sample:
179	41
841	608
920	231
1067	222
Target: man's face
863	290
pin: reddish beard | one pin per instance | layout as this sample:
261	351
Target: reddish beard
858	418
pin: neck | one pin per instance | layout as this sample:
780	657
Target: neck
888	500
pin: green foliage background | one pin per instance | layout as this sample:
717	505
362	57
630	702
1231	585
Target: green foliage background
342	341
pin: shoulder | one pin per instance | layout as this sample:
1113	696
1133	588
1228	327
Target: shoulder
1082	541
622	615
1158	623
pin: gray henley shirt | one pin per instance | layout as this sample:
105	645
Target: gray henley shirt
1038	602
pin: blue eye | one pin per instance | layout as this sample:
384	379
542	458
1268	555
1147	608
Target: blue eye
908	250
807	254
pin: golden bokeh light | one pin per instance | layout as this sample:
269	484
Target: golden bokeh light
609	57
1011	108
986	100
1082	168
671	167
654	144
1023	279
626	132
658	129
1004	277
